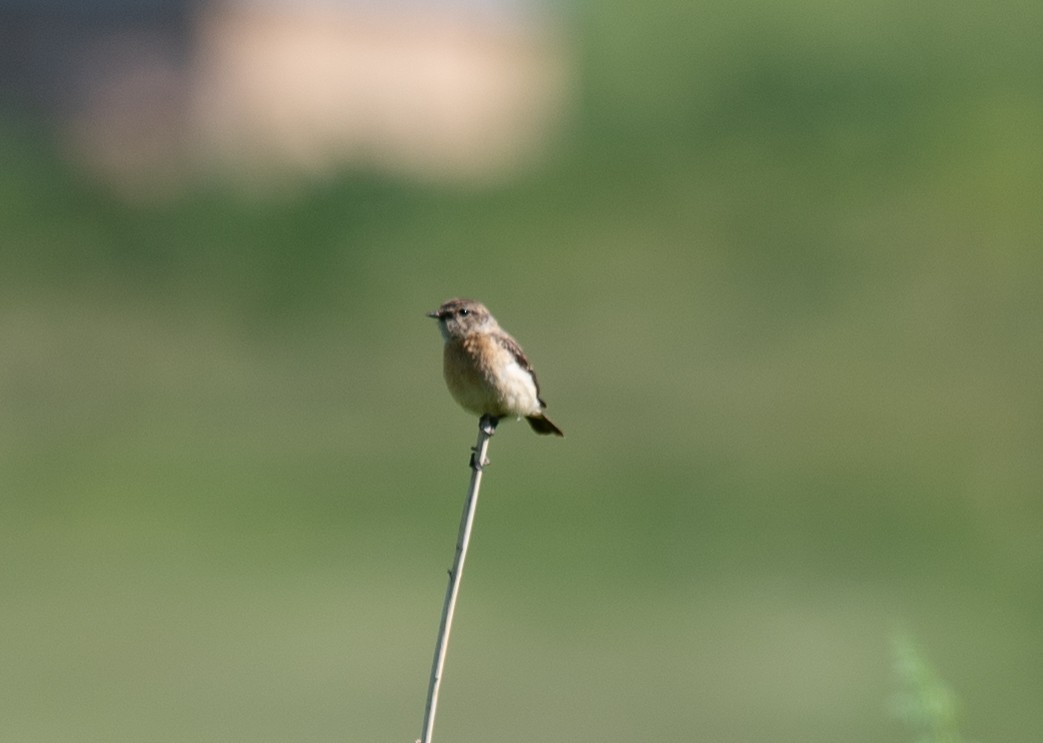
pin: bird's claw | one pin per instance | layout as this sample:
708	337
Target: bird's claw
487	424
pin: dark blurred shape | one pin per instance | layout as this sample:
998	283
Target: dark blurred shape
112	79
57	55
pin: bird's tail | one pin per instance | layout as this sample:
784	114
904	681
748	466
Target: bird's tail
542	424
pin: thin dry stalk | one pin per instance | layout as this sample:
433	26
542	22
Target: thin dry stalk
486	428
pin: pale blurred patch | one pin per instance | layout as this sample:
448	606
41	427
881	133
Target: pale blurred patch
433	92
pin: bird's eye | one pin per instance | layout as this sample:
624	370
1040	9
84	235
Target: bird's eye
464	312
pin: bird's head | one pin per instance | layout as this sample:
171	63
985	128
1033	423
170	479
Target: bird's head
458	318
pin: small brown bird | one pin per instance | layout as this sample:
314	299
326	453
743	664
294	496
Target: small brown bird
485	368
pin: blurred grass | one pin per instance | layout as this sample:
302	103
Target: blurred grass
923	701
781	280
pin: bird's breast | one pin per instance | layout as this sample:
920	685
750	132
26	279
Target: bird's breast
485	377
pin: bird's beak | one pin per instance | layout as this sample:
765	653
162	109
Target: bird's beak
433	314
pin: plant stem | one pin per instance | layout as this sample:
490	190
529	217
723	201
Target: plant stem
486	428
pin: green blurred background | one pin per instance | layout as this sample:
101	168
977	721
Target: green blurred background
780	271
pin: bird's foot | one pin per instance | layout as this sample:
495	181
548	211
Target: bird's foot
487	424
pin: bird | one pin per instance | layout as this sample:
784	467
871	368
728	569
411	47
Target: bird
485	369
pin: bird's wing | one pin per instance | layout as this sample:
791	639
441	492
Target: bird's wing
519	355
